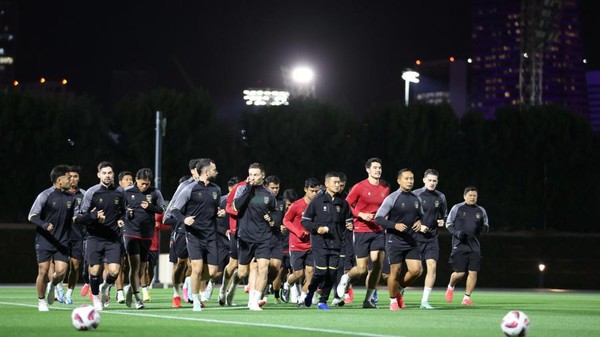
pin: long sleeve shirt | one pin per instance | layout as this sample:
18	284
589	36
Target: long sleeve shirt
292	220
333	213
471	220
435	208
52	206
400	207
140	222
252	203
108	199
202	201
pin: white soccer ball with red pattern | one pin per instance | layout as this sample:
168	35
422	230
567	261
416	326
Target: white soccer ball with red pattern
85	317
515	323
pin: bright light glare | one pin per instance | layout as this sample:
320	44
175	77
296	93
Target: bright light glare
303	74
266	97
542	267
411	76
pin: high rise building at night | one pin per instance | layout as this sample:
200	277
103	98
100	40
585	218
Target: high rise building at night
527	52
8	20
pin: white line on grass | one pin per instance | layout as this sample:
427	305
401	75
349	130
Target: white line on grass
196	319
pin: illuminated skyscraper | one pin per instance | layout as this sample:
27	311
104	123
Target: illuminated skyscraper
8	15
527	52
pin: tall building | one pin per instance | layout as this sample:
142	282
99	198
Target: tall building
593	84
443	81
527	52
8	25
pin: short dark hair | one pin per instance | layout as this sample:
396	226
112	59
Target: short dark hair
231	182
58	171
122	175
257	166
371	161
433	172
404	170
332	174
203	163
342	176
75	168
192	163
470	189
273	180
290	195
312	182
104	164
144	173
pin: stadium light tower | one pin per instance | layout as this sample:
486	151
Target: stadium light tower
299	81
409	76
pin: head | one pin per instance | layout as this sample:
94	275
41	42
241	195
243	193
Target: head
430	179
343	180
192	166
125	179
106	173
406	179
273	183
332	183
60	177
74	176
373	167
311	188
206	169
289	196
143	179
231	182
256	174
470	195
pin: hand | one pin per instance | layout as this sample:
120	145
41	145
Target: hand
283	229
220	212
424	229
144	204
188	221
400	227
100	216
322	230
440	223
120	223
366	216
304	236
50	227
417	226
268	218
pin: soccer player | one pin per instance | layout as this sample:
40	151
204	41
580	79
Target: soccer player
142	202
466	221
275	263
400	214
301	257
289	197
435	211
178	254
103	211
369	238
125	181
52	213
198	207
254	202
148	274
326	218
78	235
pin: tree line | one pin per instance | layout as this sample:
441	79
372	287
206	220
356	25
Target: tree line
534	167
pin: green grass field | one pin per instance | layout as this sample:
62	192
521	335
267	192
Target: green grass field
557	313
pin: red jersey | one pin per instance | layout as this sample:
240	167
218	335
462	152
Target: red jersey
299	236
365	197
158	225
229	208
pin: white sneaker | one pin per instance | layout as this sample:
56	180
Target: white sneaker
337	302
197	306
43	306
208	291
222	296
105	293
230	295
120	297
254	307
301	298
294	294
343	285
97	302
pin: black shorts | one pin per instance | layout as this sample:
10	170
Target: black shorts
152	258
177	247
249	250
202	249
326	259
386	266
223	253
395	254
301	259
465	261
277	253
77	249
136	246
430	250
233	247
99	251
285	262
45	254
365	243
349	257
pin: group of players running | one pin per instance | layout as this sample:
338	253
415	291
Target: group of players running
299	249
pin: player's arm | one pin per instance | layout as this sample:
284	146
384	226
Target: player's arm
288	221
242	198
450	224
381	217
36	210
179	204
308	218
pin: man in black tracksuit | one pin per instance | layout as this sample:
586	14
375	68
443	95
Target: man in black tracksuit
326	218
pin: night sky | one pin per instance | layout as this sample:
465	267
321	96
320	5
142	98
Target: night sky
357	48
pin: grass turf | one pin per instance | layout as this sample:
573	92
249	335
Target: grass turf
551	313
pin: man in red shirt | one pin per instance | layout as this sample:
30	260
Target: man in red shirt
300	254
369	238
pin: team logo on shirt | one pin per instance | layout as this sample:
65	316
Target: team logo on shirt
100	201
117	200
402	205
416	204
324	208
436	204
338	208
281	208
133	197
148	197
266	200
69	204
78	201
214	194
477	216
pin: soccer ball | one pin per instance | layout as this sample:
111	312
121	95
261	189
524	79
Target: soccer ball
515	323
85	317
